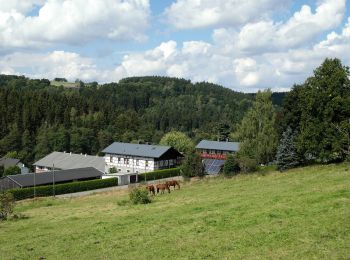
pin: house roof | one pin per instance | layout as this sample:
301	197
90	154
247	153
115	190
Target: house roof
7	162
27	180
142	150
215	145
67	161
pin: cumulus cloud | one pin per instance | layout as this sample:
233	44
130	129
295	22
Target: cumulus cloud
300	30
19	5
72	22
189	14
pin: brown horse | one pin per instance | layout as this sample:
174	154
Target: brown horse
173	183
162	187
151	189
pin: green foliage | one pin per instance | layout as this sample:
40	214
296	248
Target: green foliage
12	170
319	110
178	140
11	154
247	164
231	166
7	205
71	187
257	132
287	155
159	174
37	118
139	195
112	170
193	166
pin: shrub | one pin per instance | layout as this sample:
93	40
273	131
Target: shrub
159	174
231	166
71	187
193	166
12	170
7	203
247	164
139	196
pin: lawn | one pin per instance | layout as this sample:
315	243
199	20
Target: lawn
300	214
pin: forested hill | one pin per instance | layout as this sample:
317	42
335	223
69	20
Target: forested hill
37	118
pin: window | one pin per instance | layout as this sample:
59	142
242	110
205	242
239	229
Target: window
126	161
119	160
110	158
146	163
137	162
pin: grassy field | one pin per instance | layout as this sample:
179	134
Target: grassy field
300	214
64	84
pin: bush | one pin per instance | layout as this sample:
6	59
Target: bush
247	164
139	196
193	166
71	187
12	170
231	166
159	174
7	203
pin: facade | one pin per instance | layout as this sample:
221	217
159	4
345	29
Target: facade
214	154
8	162
126	161
47	178
66	161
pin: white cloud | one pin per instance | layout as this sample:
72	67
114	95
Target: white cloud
73	22
300	30
22	6
189	14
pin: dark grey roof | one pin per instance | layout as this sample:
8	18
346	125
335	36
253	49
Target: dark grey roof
215	145
142	150
27	180
7	162
67	161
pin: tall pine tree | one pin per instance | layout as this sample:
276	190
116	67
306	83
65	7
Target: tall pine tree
287	155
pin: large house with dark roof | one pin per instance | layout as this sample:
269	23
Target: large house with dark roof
214	154
66	161
126	161
48	178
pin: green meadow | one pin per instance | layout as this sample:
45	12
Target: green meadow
303	213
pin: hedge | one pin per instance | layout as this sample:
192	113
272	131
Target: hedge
159	174
71	187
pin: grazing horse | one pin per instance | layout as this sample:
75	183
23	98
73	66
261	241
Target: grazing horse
151	189
173	183
162	187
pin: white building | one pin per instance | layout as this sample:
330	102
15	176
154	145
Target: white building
126	161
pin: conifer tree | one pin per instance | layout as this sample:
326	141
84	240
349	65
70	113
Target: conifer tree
287	155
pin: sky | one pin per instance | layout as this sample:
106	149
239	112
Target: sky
245	45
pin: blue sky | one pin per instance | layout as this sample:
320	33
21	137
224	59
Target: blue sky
243	45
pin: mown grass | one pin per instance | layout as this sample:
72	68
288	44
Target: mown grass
300	214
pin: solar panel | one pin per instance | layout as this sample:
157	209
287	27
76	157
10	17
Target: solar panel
213	166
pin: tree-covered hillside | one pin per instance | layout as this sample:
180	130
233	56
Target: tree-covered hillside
37	118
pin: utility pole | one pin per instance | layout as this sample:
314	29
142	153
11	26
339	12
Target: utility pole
53	180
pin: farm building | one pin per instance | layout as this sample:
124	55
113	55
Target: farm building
47	178
126	161
8	162
66	161
214	154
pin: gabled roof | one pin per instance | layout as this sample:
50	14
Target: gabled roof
27	180
215	145
67	161
142	150
7	162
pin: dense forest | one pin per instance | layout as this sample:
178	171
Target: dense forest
37	118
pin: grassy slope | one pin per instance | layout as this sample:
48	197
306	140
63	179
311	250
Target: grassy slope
303	213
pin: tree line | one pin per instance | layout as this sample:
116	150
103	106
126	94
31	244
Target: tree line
37	118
